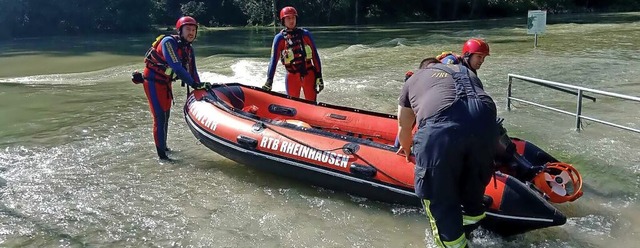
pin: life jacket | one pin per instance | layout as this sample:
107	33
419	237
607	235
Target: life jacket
297	57
448	58
452	58
154	59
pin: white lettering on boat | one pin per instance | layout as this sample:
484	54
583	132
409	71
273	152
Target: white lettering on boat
303	151
200	115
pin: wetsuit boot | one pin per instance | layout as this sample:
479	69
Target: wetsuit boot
162	154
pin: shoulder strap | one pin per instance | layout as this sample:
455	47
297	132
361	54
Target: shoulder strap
157	41
179	40
162	36
448	69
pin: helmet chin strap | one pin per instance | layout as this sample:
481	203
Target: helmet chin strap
466	61
466	56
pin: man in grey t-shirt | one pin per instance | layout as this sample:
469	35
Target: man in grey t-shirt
454	146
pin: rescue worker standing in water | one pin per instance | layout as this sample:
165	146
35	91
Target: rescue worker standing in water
474	51
454	147
295	48
169	58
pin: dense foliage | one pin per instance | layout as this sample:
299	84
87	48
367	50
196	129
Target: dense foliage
45	17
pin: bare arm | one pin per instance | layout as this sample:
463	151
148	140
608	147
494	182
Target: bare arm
406	118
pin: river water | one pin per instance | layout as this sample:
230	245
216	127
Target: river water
78	165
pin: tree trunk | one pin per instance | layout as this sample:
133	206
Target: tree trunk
357	10
275	16
174	8
439	9
476	7
454	13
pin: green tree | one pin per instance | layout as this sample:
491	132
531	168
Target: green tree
46	17
194	9
257	11
126	15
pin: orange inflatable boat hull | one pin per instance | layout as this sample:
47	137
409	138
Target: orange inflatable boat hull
340	148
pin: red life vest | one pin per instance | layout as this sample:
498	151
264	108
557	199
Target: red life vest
154	59
297	56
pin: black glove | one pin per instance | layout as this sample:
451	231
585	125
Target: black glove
319	84
203	85
137	78
267	85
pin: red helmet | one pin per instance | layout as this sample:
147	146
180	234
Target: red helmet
475	46
288	11
185	20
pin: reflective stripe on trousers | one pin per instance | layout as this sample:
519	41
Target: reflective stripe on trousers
457	243
442	142
472	220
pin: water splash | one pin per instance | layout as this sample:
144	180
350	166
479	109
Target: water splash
82	78
247	72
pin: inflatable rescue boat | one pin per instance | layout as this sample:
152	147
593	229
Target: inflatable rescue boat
352	150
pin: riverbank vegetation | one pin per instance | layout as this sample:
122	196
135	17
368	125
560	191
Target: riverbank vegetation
25	18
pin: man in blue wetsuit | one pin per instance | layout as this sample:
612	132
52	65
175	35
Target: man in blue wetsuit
454	146
169	58
474	51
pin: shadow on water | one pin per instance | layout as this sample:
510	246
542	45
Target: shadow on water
265	180
256	42
56	233
606	18
75	45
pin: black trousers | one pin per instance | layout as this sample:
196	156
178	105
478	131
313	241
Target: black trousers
454	162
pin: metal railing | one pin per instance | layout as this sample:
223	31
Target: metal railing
571	89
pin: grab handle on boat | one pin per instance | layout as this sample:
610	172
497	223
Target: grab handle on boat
363	170
350	148
282	110
247	142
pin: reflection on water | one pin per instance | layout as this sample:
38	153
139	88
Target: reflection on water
77	154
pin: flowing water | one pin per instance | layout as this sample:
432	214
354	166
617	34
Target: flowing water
78	165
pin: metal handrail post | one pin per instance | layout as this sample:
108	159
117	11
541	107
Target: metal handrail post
579	110
567	88
509	93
